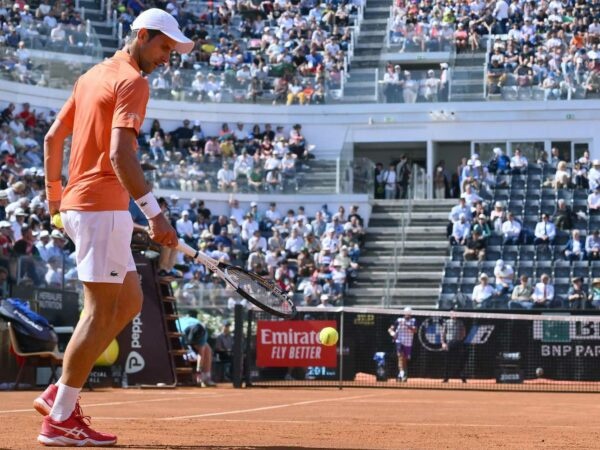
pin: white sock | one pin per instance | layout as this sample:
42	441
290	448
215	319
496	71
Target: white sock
66	398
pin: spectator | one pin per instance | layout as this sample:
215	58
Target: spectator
575	248
475	247
195	336
592	246
594	201
545	232
562	177
518	162
482	226
576	296
563	216
511	230
543	294
504	274
594	175
461	230
483	293
594	296
226	178
521	295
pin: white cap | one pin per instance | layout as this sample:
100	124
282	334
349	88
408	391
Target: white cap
157	19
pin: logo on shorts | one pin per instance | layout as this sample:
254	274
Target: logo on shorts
114	273
143	204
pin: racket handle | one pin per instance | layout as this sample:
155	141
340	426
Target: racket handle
184	248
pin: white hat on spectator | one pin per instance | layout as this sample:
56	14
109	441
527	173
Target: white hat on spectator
174	197
157	19
20	212
470	162
253	204
185	212
5	224
477	163
3	195
44	234
592	54
596	162
444	65
324	297
497	150
57	234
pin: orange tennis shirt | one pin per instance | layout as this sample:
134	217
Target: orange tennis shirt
112	94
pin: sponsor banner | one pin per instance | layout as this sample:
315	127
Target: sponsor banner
293	344
143	347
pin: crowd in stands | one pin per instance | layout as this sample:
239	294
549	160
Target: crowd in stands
279	52
422	87
242	158
527	219
314	257
317	257
552	46
55	26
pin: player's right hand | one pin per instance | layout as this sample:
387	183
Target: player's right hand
54	207
161	231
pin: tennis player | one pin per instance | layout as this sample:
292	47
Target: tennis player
104	115
403	332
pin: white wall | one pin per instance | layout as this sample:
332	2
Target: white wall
329	127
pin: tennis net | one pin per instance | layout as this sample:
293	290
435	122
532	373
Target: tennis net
438	349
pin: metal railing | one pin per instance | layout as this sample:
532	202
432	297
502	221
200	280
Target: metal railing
391	279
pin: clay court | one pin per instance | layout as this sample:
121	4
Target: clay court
258	418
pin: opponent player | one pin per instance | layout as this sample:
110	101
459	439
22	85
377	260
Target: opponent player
104	115
403	331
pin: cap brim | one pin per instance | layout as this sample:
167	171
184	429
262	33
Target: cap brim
184	44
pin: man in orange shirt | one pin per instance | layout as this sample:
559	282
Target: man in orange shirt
104	115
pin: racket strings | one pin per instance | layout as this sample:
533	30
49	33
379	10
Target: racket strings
261	290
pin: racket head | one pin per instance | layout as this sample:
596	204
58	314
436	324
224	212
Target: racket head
263	293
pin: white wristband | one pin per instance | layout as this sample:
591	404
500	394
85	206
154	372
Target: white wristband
148	205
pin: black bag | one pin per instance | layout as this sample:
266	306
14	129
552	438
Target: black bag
33	331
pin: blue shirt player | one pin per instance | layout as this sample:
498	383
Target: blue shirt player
403	332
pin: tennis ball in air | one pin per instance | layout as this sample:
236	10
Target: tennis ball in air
110	355
328	336
57	221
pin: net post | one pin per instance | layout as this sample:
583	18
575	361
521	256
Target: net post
341	349
238	339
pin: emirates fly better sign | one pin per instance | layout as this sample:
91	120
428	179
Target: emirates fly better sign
293	344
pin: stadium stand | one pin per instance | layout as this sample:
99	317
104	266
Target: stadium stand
307	255
538	221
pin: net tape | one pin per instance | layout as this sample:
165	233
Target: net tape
545	315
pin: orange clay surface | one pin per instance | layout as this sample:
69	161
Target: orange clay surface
353	418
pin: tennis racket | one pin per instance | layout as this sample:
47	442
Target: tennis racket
263	293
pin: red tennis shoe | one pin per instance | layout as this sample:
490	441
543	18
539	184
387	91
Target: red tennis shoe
73	432
43	404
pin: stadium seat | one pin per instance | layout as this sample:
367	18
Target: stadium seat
548	207
494	240
457	252
452	269
517	183
580	269
534	180
470	269
517	194
516	207
501	195
580	194
548	194
562	269
525	268
595	269
487	267
526	252
580	205
510	252
542	267
450	285
493	252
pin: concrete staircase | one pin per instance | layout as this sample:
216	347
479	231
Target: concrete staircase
98	19
360	87
420	268
468	77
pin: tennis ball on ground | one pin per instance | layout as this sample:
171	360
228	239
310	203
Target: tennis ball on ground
57	221
328	336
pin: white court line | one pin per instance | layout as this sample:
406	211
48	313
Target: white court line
266	408
146	419
128	402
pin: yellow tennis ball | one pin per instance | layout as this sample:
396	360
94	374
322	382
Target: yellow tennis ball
328	336
57	221
110	355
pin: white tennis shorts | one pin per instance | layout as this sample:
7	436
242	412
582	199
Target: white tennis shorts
102	244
